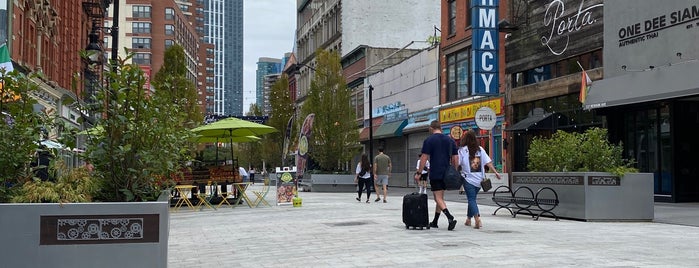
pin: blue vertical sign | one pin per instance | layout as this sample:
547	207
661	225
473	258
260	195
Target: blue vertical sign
484	58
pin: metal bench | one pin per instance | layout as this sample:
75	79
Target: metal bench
524	201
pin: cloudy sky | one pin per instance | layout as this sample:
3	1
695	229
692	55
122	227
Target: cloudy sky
268	32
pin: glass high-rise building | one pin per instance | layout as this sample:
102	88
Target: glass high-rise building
265	66
224	29
233	57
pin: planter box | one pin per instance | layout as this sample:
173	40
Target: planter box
128	234
595	196
331	182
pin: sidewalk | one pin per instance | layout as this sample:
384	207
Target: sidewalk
334	230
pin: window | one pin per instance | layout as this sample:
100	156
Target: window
141	11
141	58
169	14
452	17
141	27
169	29
140	43
458	74
560	68
468	13
169	43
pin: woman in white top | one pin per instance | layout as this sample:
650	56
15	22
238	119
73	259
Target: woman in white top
363	178
421	175
473	159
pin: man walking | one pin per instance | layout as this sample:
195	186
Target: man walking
439	149
382	170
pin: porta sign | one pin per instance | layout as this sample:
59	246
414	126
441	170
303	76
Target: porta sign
484	18
485	118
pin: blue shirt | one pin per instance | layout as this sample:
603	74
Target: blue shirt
438	146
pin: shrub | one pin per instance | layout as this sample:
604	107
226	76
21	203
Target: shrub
582	152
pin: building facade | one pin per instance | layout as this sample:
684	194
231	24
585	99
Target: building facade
651	102
462	29
265	66
232	55
544	67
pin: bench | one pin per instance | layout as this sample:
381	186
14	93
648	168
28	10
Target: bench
332	183
524	200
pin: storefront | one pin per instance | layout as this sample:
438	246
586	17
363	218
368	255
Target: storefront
651	103
458	119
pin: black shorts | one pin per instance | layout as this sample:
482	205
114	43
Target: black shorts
423	177
438	185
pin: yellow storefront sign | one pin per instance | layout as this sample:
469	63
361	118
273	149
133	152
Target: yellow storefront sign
468	111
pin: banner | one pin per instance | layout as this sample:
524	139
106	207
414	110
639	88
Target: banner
304	136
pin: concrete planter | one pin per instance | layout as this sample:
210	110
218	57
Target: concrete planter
128	234
331	182
595	196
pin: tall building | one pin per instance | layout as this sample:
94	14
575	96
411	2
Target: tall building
233	58
213	32
148	28
265	66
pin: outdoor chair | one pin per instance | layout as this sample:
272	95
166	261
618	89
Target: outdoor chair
224	194
260	196
203	196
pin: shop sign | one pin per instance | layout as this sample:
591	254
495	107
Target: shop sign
388	108
486	118
455	132
468	111
650	28
484	18
560	26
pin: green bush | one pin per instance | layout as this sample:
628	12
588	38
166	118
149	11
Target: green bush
581	152
72	186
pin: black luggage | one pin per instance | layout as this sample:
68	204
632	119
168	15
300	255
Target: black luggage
415	211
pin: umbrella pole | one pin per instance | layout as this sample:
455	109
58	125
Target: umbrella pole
216	164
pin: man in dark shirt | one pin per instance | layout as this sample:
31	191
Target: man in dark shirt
439	149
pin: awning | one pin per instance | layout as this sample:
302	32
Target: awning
391	129
364	133
534	122
413	127
662	82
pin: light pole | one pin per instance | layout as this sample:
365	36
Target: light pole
371	124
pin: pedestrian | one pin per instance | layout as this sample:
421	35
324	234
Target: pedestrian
363	178
252	175
243	174
439	149
473	160
421	175
382	171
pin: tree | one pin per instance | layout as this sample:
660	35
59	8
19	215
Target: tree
20	129
334	138
282	111
251	151
171	84
144	140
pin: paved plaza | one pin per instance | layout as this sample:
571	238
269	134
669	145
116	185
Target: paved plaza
334	230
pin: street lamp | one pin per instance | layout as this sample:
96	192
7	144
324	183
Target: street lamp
371	124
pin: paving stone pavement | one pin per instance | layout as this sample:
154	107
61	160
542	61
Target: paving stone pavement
334	230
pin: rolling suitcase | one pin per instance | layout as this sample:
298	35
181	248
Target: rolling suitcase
415	212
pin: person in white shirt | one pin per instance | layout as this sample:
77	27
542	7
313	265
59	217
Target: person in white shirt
421	175
252	175
473	159
243	174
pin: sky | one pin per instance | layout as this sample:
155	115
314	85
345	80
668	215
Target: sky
269	28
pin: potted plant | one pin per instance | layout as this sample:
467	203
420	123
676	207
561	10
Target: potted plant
142	140
592	179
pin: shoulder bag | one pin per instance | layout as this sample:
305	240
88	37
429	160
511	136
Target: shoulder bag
452	178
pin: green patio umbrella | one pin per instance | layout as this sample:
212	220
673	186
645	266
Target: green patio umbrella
232	128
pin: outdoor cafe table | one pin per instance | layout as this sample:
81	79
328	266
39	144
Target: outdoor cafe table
242	187
184	191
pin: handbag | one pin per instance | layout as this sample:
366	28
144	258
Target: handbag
452	178
486	184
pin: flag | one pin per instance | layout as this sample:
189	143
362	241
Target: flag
5	61
584	87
